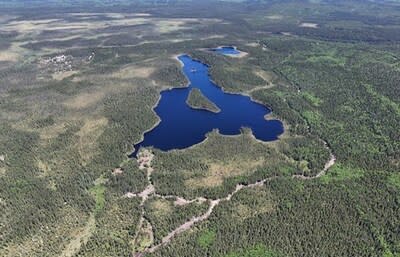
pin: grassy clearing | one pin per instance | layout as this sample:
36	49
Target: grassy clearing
313	117
214	167
133	71
161	207
268	76
206	238
263	203
88	134
217	173
84	100
338	172
64	75
13	54
165	216
327	59
312	99
386	102
394	179
98	193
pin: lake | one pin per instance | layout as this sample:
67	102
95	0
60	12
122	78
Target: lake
182	126
226	50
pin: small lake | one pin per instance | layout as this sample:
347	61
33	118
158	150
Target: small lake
226	50
182	126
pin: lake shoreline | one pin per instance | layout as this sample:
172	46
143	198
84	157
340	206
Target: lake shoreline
243	94
133	151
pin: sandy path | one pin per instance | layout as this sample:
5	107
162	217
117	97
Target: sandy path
187	225
328	165
150	190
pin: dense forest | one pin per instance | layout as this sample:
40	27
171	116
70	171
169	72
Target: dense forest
78	84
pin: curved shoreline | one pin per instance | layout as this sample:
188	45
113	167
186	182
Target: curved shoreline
148	130
155	106
214	202
244	94
241	53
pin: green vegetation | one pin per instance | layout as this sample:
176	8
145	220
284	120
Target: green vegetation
345	211
197	100
64	130
214	167
232	76
98	193
307	151
206	238
131	180
394	179
165	216
340	173
312	99
257	251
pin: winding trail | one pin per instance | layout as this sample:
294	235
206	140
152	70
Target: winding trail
150	191
328	165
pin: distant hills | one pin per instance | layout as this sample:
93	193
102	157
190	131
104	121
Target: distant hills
99	3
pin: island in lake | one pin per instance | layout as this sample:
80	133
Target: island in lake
182	126
197	100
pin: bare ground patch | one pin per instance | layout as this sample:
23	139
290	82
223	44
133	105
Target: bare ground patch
84	25
161	207
213	37
44	167
52	131
133	71
253	44
63	75
45	133
3	171
309	25
84	100
275	17
13	54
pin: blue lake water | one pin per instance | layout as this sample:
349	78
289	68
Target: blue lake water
226	50
182	126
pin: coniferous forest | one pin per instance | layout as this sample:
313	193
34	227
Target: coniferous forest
79	82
